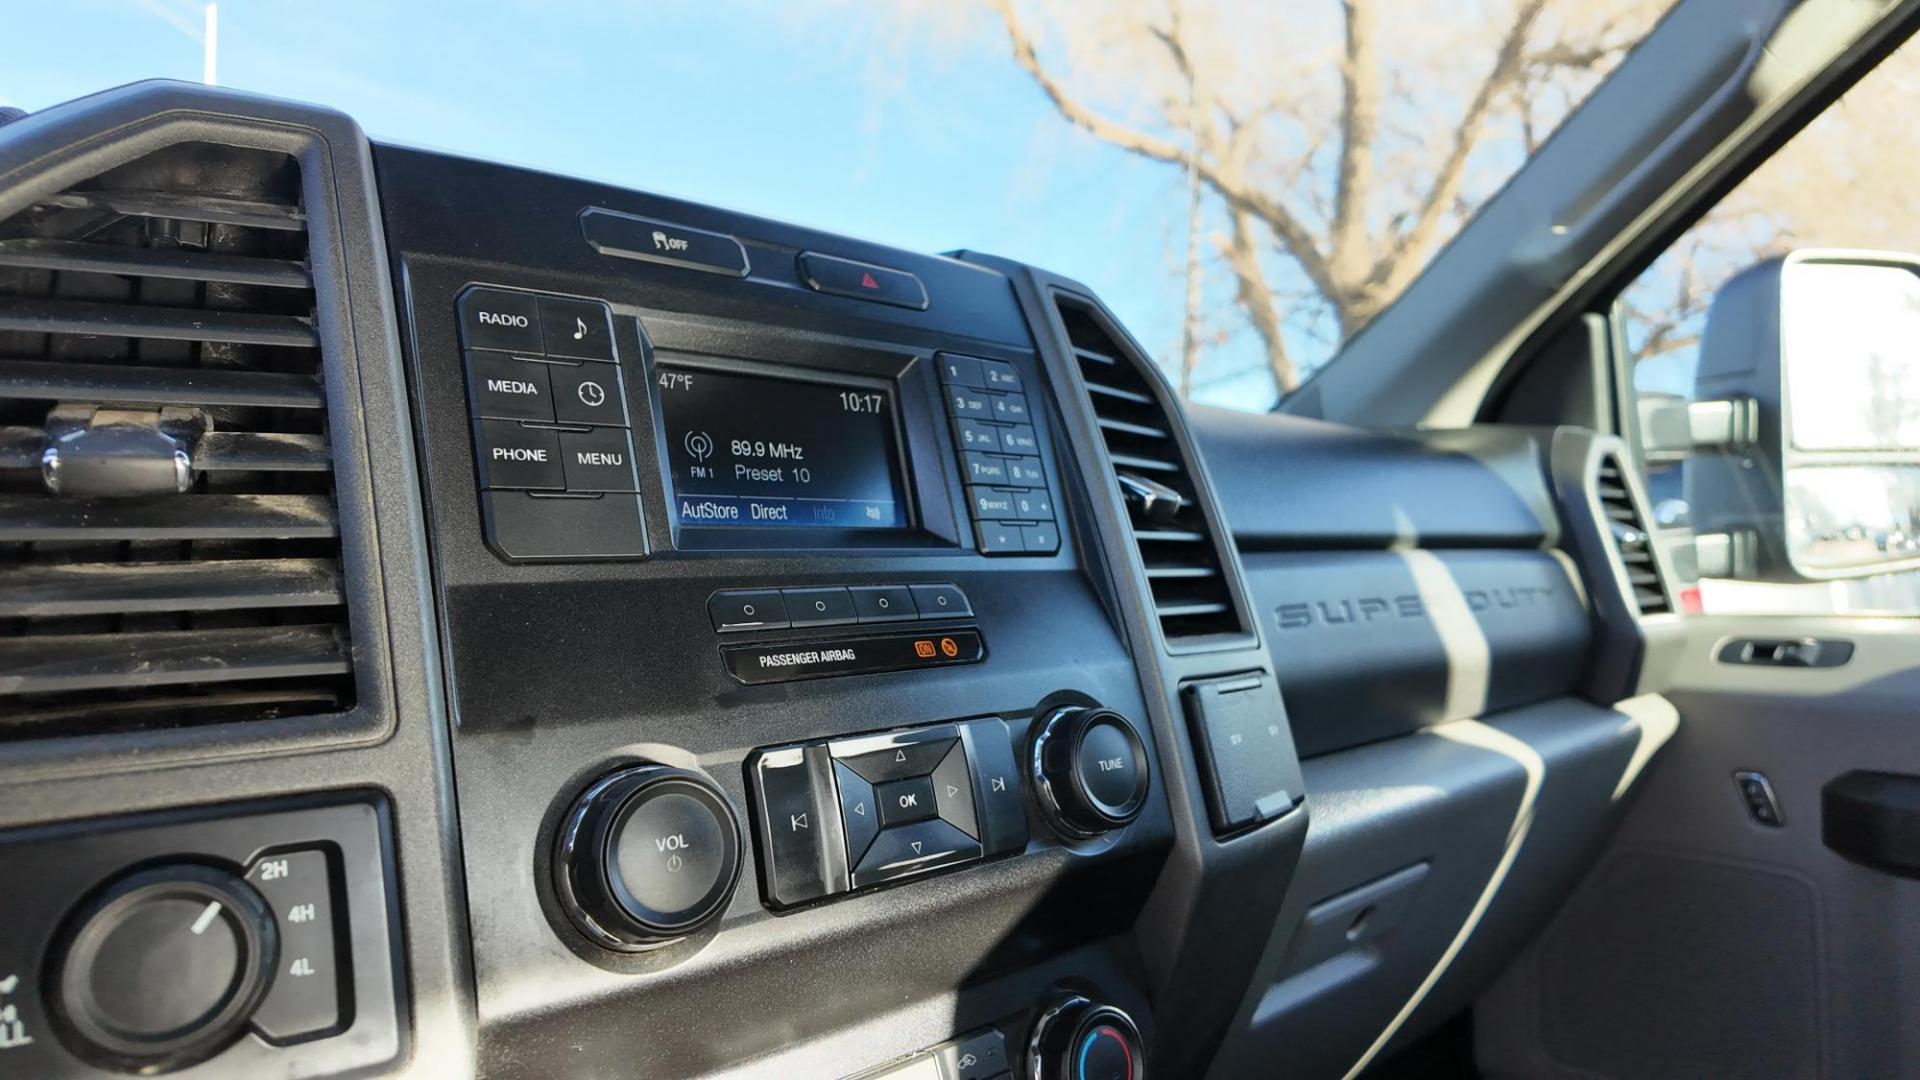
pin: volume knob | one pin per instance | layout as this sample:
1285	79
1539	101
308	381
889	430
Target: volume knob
647	855
1090	769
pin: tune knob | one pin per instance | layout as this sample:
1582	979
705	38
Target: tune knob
1090	769
647	855
163	967
1078	1039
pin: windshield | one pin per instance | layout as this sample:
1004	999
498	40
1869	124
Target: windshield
1246	185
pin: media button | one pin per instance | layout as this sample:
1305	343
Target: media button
882	603
941	602
581	329
498	319
818	607
597	460
981	469
516	456
587	394
747	609
506	388
999	375
960	370
1025	472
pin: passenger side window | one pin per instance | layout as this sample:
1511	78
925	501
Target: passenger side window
1776	372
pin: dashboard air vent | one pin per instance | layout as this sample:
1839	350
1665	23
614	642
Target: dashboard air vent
1156	482
169	550
1628	530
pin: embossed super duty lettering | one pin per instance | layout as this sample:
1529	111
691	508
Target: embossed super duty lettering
1298	615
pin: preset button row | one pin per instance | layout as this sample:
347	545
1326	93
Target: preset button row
836	605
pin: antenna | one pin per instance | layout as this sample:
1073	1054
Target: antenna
210	53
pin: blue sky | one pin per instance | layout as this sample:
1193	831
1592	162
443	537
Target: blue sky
830	115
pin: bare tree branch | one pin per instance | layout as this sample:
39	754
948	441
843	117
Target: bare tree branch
1404	258
1243	254
1347	241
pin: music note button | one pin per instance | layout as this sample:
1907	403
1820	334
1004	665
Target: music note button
576	329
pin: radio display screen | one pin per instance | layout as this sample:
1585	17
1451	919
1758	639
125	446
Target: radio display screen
761	451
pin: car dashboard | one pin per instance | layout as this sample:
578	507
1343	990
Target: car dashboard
467	620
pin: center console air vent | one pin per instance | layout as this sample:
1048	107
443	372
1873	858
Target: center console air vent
1155	481
169	548
1631	541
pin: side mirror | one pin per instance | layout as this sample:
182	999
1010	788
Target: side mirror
1819	352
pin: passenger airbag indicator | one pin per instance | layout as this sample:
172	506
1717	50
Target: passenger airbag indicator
754	664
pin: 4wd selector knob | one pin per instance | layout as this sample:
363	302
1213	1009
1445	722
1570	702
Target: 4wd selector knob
163	967
1090	770
1078	1039
647	855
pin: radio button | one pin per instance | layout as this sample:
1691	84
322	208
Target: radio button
819	607
1011	408
498	319
967	402
981	469
990	503
941	602
999	537
516	456
506	388
747	609
1025	472
883	603
974	435
587	394
598	460
960	371
581	329
1019	439
999	375
1040	539
858	811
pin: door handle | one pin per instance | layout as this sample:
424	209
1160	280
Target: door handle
1786	652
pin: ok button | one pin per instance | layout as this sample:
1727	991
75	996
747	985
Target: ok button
904	802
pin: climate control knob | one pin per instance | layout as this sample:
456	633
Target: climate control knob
1090	770
647	855
1078	1039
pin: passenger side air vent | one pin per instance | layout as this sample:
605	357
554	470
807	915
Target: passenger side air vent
1631	540
1155	480
169	549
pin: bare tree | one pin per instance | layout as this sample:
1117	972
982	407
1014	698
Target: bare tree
1343	166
